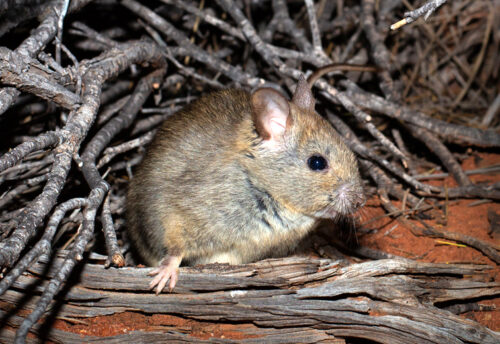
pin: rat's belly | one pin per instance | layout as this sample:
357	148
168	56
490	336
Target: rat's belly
263	238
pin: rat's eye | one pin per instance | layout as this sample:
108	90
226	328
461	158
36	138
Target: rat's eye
317	163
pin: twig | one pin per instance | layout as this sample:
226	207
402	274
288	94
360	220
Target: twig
114	255
18	190
73	133
197	53
484	170
285	24
103	137
61	13
425	10
17	72
484	247
480	56
38	39
44	245
313	24
493	111
410	163
43	141
470	191
75	255
379	51
111	152
442	152
220	24
451	132
111	109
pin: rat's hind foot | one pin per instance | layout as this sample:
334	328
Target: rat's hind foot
168	270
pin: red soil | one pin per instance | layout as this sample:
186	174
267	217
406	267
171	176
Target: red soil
462	217
122	323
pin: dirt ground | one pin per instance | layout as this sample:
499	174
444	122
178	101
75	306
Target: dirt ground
463	217
388	236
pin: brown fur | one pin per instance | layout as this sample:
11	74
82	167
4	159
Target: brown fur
212	189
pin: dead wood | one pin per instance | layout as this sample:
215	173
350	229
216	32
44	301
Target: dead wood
307	298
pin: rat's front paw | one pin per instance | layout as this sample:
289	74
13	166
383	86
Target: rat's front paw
168	270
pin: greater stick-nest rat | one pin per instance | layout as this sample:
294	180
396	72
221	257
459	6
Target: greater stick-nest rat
236	177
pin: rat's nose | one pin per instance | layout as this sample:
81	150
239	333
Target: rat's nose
349	197
359	201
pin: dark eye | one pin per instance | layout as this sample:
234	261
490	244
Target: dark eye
317	163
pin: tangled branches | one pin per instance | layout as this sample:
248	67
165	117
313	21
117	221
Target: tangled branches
77	133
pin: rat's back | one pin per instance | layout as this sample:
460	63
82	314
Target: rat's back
185	175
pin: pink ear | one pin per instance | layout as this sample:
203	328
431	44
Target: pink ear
303	97
270	111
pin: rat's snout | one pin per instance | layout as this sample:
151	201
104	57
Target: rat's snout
349	197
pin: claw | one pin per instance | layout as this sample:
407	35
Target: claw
168	270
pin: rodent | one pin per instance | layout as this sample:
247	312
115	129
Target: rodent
236	177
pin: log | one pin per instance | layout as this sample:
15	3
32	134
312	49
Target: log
288	300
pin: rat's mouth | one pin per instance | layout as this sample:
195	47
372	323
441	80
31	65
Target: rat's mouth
329	213
334	214
341	207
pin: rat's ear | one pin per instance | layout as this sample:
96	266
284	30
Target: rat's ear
303	97
271	113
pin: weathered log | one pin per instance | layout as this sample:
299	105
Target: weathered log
389	301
